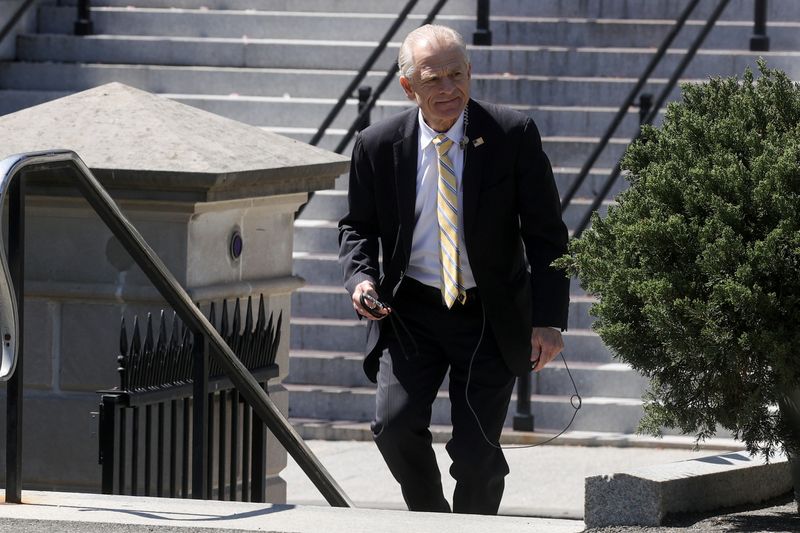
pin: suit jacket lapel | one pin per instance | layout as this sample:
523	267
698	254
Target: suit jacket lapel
475	158
405	175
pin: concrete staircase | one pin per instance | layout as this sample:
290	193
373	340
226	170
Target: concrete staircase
280	65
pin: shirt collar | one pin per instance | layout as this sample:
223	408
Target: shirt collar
426	133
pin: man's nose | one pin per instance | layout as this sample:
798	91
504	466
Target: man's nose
446	85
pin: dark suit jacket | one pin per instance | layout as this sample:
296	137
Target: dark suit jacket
509	199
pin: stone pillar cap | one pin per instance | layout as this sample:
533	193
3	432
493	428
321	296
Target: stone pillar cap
140	142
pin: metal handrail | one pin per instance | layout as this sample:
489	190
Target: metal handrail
377	93
623	109
662	97
373	57
21	10
365	109
178	298
759	42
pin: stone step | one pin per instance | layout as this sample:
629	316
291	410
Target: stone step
338	25
12	101
504	88
344	369
663	9
606	414
329	204
319	268
569	152
321	235
332	204
309	113
349	335
561	121
320	54
323	269
332	301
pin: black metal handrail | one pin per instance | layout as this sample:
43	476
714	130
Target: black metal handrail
368	64
377	93
523	419
483	34
364	109
662	97
18	14
626	104
83	23
11	170
759	42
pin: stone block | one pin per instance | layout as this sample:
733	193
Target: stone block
265	227
90	342
59	442
644	496
39	321
268	232
58	227
276	489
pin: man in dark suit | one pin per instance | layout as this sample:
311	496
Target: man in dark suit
453	222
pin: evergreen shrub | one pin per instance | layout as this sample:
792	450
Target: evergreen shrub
697	268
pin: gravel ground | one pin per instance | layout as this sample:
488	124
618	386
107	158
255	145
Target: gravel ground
776	516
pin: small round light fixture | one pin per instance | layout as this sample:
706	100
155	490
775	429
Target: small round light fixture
236	244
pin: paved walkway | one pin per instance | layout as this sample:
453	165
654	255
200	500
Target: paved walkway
544	494
545	481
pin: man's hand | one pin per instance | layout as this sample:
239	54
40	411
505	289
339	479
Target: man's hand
546	343
367	287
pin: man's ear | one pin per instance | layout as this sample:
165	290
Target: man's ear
405	83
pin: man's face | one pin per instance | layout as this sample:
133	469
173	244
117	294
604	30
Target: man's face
439	83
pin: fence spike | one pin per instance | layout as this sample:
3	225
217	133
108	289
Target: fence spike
136	341
186	350
261	313
172	351
161	340
148	338
247	336
259	336
235	338
123	338
248	319
121	358
237	322
277	341
174	332
223	327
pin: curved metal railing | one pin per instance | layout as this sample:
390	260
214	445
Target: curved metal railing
171	291
9	315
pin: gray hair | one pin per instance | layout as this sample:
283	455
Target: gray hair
428	32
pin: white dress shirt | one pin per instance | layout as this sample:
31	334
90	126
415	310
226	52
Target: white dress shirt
424	264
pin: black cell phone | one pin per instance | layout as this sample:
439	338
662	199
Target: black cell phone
377	305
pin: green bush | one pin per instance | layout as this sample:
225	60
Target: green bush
697	268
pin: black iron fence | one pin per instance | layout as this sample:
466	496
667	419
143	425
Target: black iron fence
157	438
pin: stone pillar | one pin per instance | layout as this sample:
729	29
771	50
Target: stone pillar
188	180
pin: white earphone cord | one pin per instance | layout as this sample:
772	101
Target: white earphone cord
572	400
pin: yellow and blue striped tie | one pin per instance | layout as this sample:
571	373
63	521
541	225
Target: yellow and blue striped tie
447	215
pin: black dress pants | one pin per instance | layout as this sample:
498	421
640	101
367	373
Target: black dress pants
426	341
